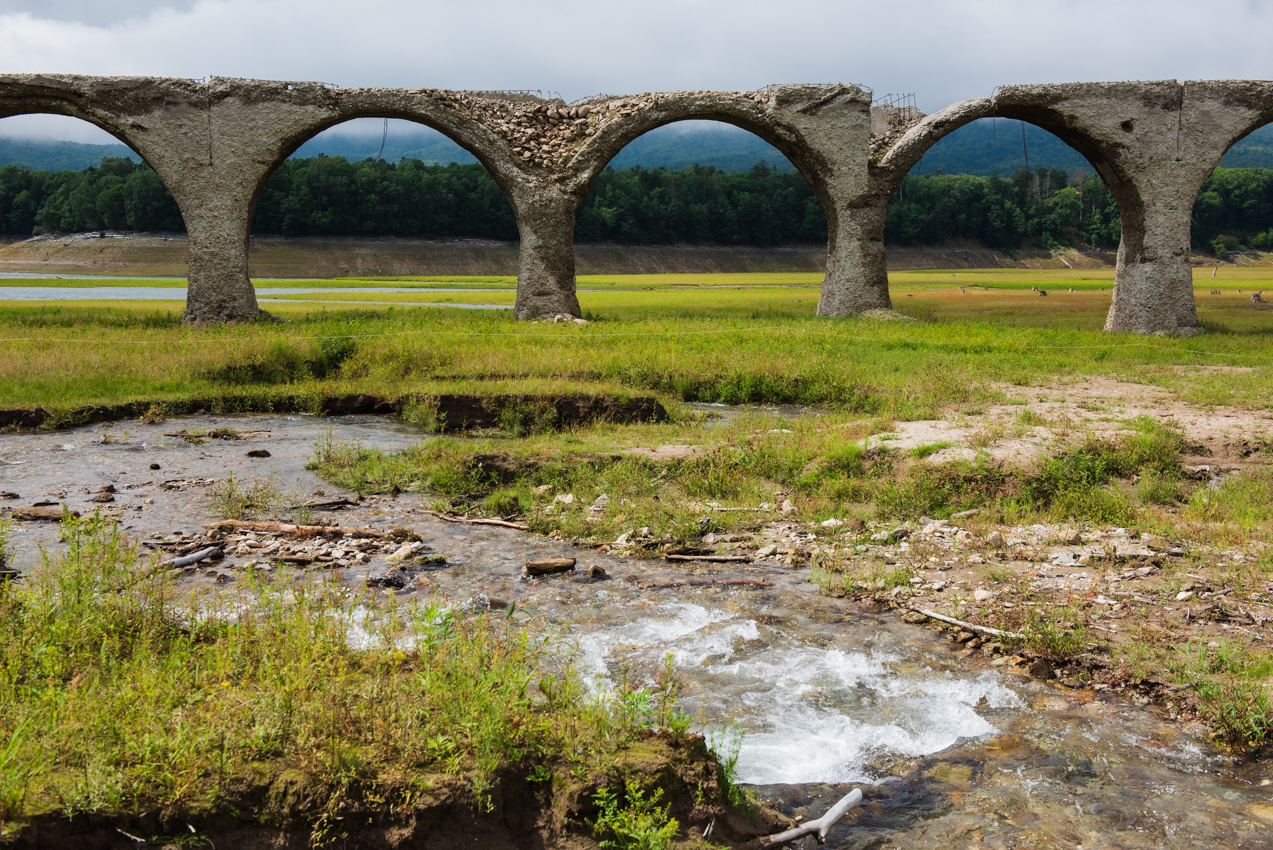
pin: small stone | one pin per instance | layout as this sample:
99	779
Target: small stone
101	498
564	498
155	466
597	572
1183	595
981	594
1041	669
832	523
258	453
787	507
995	540
964	538
1071	537
600	504
765	552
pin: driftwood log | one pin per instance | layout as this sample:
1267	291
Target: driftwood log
821	826
211	553
328	531
42	514
716	559
705	582
548	566
500	522
972	627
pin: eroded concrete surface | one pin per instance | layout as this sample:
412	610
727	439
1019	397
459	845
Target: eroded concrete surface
832	695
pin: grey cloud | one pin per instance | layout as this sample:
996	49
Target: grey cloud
93	13
943	50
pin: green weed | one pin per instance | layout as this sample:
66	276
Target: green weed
634	820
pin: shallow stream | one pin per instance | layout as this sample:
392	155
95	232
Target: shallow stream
830	695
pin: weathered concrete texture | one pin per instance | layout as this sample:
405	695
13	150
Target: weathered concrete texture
215	145
822	130
1153	143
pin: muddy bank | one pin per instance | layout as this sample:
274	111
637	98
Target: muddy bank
518	812
165	254
441	413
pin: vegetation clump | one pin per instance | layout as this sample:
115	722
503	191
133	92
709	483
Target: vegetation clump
286	705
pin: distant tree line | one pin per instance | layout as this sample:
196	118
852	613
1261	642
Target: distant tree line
1046	208
331	196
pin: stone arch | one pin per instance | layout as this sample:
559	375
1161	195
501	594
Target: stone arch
297	140
1215	116
494	163
822	130
1131	134
742	111
67	96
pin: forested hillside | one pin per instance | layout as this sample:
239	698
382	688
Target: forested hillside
331	196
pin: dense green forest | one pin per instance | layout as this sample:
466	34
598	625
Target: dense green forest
331	196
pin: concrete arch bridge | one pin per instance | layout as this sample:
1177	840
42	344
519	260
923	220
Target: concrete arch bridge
215	144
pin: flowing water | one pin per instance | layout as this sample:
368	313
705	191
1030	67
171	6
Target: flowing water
951	751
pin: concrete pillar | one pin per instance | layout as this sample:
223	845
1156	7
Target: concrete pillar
1153	286
546	277
219	287
857	269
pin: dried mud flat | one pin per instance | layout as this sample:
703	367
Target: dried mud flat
1042	417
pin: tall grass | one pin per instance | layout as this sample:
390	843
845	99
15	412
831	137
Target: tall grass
119	697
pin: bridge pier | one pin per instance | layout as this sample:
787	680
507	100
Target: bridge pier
219	287
857	268
546	272
1153	284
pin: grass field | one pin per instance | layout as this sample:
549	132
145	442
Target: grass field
731	338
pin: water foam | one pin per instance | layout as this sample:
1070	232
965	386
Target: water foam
812	713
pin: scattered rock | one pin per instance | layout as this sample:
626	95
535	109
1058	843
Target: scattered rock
5	494
966	514
155	466
1071	537
765	552
1041	668
547	566
981	594
42	514
107	488
101	498
564	498
258	453
393	581
597	572
832	523
964	538
1183	595
404	552
600	504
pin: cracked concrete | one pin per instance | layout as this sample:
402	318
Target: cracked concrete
216	143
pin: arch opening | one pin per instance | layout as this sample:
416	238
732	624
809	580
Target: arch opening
1232	216
701	181
381	176
1004	184
62	174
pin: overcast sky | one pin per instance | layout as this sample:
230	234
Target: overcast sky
942	50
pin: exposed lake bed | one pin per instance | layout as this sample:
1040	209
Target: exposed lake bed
829	692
